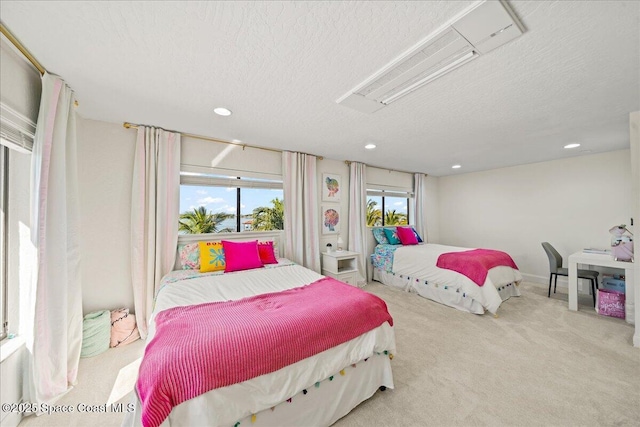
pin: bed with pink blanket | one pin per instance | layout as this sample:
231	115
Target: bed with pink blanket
279	345
469	279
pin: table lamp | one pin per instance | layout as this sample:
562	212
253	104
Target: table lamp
340	243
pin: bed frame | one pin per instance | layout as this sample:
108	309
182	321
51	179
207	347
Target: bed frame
321	404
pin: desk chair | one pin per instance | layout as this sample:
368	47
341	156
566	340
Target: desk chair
555	267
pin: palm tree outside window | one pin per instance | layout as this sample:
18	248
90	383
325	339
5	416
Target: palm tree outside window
383	209
219	204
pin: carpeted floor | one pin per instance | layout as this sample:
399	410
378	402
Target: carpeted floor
538	364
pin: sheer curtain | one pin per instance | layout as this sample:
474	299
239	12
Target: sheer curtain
302	242
357	216
53	304
419	191
155	206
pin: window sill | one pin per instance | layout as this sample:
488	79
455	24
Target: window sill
9	346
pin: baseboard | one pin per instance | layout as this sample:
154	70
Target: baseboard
563	282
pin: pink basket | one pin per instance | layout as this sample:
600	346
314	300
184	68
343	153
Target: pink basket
611	303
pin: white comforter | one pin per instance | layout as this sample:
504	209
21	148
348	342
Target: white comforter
419	261
227	405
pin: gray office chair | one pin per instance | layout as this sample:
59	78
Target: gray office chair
555	266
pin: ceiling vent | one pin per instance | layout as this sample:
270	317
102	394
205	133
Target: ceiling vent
477	30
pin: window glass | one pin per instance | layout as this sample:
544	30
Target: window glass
374	211
4	152
207	209
387	208
396	211
262	209
215	204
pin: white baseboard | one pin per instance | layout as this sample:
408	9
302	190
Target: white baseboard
563	282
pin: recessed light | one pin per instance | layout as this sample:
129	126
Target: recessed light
235	141
221	111
456	167
572	145
370	146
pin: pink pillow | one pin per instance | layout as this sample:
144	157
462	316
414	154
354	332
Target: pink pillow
407	236
241	255
267	255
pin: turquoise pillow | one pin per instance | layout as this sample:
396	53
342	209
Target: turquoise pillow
381	238
392	236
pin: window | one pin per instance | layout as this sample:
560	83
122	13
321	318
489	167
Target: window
386	207
217	204
4	174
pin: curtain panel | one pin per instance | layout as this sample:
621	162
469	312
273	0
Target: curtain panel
155	206
357	217
301	225
419	192
51	309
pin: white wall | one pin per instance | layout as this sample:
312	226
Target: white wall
105	171
571	203
338	167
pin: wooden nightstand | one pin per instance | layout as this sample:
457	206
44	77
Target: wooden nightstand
341	265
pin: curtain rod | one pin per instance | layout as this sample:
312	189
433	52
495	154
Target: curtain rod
128	125
348	162
4	30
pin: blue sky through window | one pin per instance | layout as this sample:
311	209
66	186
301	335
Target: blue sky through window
220	199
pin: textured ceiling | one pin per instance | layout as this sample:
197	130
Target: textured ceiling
573	76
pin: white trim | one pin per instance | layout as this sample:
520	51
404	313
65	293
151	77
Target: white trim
9	346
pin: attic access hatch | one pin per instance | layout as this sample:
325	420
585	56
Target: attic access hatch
479	29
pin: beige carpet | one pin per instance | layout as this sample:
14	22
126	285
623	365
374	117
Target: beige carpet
537	365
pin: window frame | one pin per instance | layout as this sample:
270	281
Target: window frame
4	244
237	182
395	193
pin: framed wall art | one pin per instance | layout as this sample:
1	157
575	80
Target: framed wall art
331	187
330	218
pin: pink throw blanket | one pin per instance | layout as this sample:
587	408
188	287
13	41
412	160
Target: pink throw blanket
201	347
476	263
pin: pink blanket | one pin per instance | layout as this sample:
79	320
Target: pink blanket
202	347
476	263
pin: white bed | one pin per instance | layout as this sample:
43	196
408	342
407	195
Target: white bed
317	390
413	269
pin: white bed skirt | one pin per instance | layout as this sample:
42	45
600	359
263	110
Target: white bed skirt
442	294
321	405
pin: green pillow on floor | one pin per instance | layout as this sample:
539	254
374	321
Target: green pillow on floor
96	333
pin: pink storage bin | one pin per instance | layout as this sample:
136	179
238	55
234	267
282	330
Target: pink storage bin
611	303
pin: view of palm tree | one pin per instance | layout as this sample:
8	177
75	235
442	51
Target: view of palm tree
200	221
269	218
374	216
391	217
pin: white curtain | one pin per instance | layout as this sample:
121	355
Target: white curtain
155	206
358	217
302	243
419	191
53	304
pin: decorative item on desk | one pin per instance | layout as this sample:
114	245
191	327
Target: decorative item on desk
329	247
621	243
340	243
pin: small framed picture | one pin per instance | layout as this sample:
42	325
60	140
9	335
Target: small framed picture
331	187
330	219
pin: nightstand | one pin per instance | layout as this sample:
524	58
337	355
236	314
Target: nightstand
341	265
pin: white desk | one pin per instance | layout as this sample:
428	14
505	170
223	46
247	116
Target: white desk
603	261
